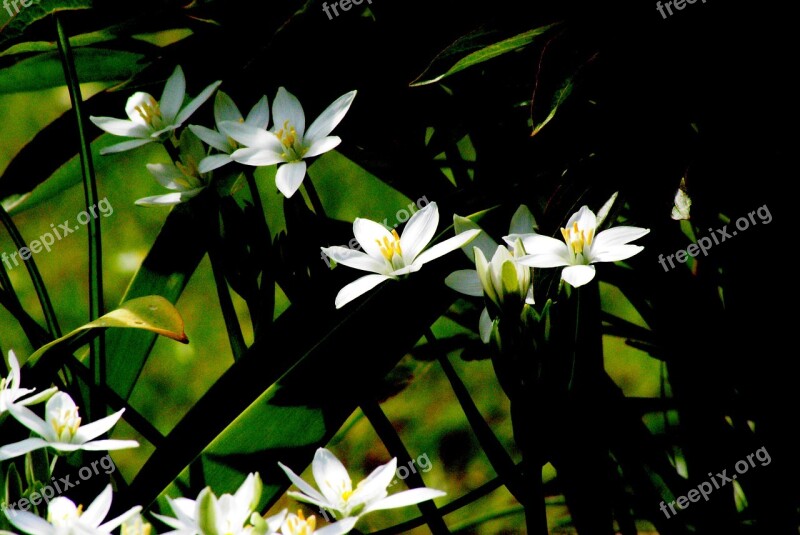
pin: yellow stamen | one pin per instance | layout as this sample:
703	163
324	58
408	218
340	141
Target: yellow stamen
390	247
149	111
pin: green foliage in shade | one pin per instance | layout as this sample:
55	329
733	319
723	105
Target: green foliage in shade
44	70
13	28
486	53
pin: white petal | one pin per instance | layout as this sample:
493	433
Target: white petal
14	372
330	474
30	420
542	251
403	499
198	101
133	102
95	429
301	497
98	509
331	117
357	288
584	217
419	232
341	527
116	522
259	115
578	275
121	127
484	242
225	109
108	444
289	177
465	281
44	395
30	523
522	222
168	199
615	254
617	236
300	483
251	136
450	244
374	486
172	97
321	146
125	145
485	326
257	157
355	259
215	161
212	138
157	135
370	235
22	447
287	111
274	522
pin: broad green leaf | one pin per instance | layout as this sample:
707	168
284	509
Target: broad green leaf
45	71
77	41
558	99
152	313
484	54
12	27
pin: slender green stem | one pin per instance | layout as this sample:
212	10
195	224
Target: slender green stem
97	348
313	196
33	271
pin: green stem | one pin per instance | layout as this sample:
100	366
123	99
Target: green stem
36	277
97	348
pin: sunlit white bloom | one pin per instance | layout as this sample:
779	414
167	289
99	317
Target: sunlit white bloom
65	518
288	142
230	514
226	110
389	255
336	492
150	120
582	246
62	430
183	177
297	524
11	392
136	525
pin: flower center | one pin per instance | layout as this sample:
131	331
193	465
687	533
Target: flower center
390	247
577	240
65	516
150	112
66	423
288	137
298	525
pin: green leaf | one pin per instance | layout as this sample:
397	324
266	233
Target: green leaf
484	54
44	71
152	313
482	241
14	27
77	41
558	99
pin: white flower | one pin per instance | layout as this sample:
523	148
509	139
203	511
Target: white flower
64	518
225	110
183	178
297	524
136	525
10	390
227	515
581	247
289	141
151	120
62	430
390	256
336	491
504	282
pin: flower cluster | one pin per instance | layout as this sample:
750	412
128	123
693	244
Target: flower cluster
248	140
